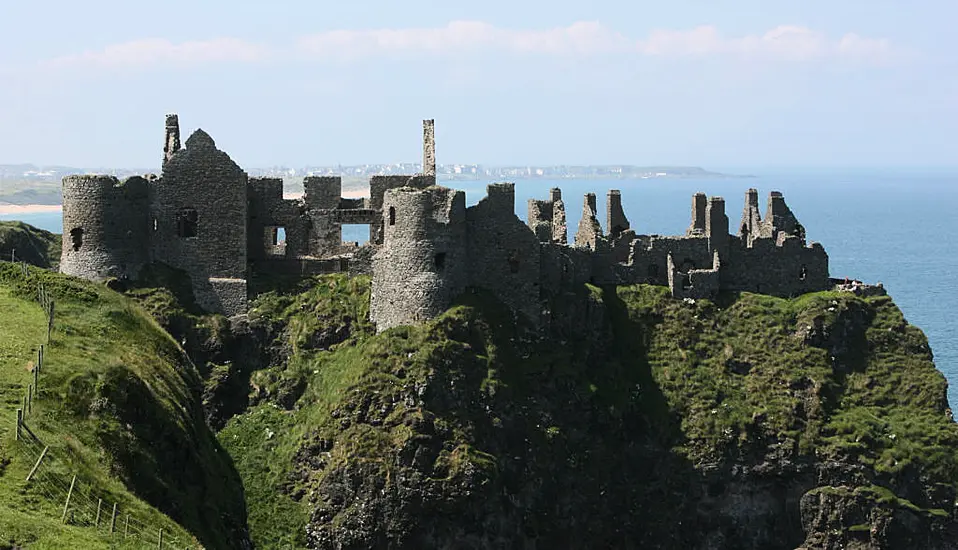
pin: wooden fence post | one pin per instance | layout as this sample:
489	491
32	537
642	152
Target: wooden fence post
50	324
40	355
19	422
99	504
113	520
126	528
66	505
29	398
37	465
159	543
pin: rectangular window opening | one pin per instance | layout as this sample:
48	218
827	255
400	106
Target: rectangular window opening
186	222
274	239
355	234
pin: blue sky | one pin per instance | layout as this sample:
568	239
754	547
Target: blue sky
716	84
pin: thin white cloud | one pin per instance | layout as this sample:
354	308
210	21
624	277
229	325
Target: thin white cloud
587	38
583	38
154	51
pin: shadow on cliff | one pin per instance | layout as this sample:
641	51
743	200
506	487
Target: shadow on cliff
584	438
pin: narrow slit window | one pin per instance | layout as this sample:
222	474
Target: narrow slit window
392	215
514	262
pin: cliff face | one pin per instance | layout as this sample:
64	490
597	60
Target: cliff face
643	422
26	243
118	407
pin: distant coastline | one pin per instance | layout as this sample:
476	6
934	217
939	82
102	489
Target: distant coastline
28	189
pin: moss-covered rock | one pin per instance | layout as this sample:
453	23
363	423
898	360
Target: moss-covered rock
654	423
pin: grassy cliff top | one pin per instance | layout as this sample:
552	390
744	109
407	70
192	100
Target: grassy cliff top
118	407
357	437
30	244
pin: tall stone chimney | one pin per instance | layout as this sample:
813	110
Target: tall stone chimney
429	147
171	141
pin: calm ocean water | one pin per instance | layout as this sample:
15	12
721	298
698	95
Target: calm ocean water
890	227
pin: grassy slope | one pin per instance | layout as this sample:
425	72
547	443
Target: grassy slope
712	382
117	406
33	245
741	374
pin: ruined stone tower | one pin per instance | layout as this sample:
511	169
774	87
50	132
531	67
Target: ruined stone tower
105	226
422	264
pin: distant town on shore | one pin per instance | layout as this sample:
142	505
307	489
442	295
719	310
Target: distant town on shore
33	184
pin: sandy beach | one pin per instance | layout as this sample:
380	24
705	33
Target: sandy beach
15	209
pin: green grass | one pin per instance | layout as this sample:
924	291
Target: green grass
30	244
118	407
826	376
740	374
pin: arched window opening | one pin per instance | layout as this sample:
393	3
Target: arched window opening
76	238
186	222
392	215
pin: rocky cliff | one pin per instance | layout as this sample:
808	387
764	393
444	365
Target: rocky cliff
641	422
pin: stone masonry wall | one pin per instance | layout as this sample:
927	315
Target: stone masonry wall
105	227
429	147
421	267
503	253
589	233
616	221
200	212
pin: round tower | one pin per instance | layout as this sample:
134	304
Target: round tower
105	226
421	266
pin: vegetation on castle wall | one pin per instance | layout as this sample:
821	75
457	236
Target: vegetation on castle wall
119	407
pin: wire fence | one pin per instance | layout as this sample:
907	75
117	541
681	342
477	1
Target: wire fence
82	502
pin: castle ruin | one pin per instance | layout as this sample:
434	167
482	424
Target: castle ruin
204	215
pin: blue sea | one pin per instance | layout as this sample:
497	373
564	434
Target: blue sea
891	227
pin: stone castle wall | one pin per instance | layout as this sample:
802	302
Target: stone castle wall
105	227
422	265
199	209
206	217
526	266
503	253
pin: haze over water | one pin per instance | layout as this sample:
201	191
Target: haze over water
887	227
